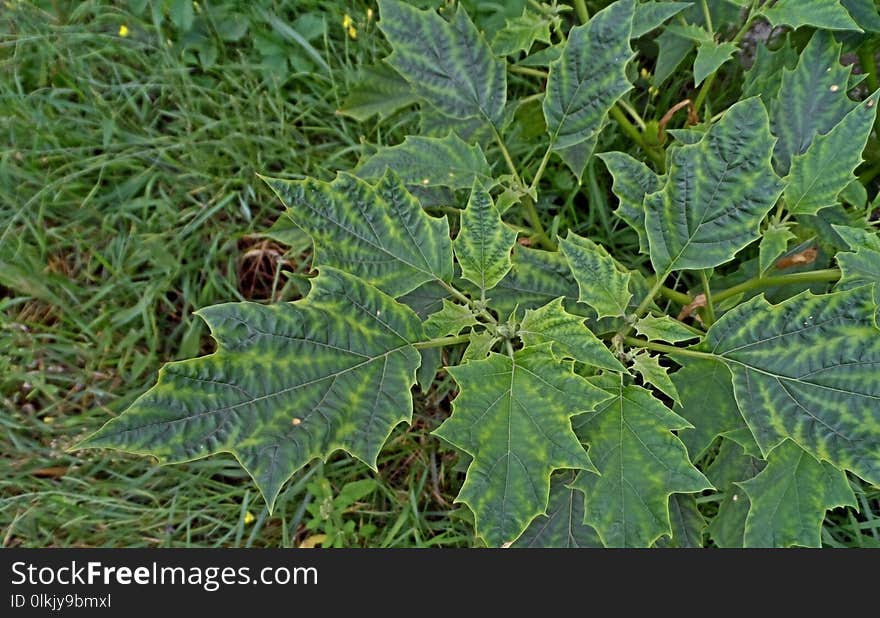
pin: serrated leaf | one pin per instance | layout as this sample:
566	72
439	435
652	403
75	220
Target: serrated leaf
706	401
655	374
568	334
812	99
289	383
479	347
378	232
806	369
687	523
672	50
717	191
586	82
484	243
632	181
710	56
562	526
449	63
520	33
864	13
861	265
513	415
827	166
450	320
535	279
664	328
765	75
789	498
431	162
380	91
730	466
827	14
640	464
425	299
601	283
774	242
854	194
651	15
432	361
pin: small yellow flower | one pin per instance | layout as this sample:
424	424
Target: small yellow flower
644	73
369	14
123	31
248	518
347	21
352	32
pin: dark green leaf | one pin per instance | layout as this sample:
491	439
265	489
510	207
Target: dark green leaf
651	15
633	180
484	243
603	284
380	91
828	14
563	525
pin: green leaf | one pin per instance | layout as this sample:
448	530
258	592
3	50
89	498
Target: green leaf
861	266
377	232
513	416
673	49
640	464
730	466
710	57
789	498
181	14
449	63
535	279
717	191
601	282
812	99
864	13
765	75
806	369
774	242
563	524
568	334
651	15
827	14
632	181
655	374
450	320
706	400
664	328
827	166
425	299
431	162
289	383
484	243
479	347
687	523
586	82
520	33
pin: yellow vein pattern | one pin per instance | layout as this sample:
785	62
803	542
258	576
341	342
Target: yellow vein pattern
289	383
513	416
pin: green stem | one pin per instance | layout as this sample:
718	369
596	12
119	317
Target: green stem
813	276
527	71
580	6
633	114
506	154
634	134
467	301
704	91
541	168
662	347
442	342
675	296
708	15
534	218
710	309
642	308
869	67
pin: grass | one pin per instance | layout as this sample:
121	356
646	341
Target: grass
129	199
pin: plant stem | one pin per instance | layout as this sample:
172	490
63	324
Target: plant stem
632	114
662	347
506	154
636	137
704	91
441	342
580	6
541	167
467	301
675	296
534	218
708	16
812	276
710	309
527	71
642	308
